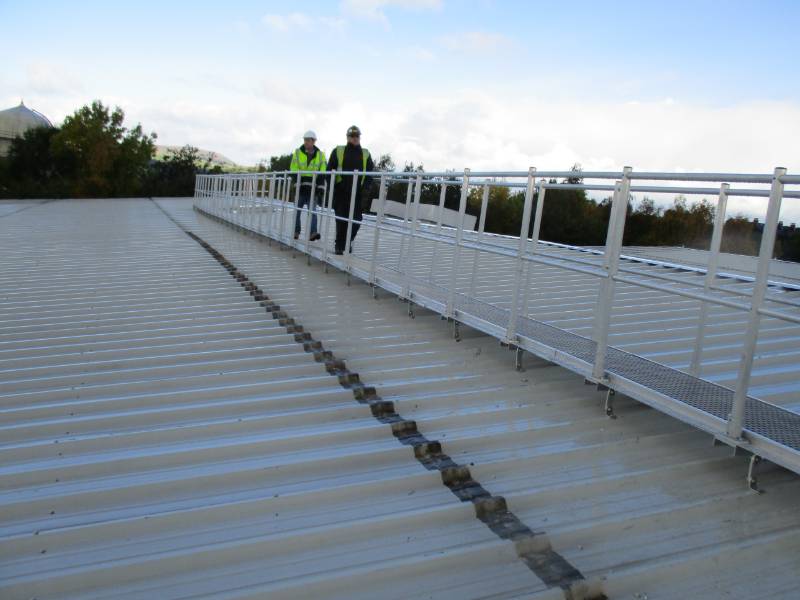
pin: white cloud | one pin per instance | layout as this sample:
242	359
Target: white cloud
374	9
476	42
285	23
416	53
52	79
298	21
480	128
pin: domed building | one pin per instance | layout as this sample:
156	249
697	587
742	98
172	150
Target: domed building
14	122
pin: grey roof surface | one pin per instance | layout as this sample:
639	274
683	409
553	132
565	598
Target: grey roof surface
165	436
733	263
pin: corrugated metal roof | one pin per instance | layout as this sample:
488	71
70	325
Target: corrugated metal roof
165	436
734	263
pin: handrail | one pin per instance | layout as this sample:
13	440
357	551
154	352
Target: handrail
250	199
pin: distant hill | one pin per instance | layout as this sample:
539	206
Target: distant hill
216	158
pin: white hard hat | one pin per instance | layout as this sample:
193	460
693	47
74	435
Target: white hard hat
310	134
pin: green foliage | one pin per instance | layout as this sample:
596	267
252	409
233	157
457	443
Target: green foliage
385	163
740	237
175	174
29	170
504	210
279	163
94	155
569	217
91	155
100	157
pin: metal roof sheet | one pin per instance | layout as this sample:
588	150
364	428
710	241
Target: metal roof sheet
164	436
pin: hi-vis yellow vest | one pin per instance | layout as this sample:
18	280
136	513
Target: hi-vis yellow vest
340	160
300	162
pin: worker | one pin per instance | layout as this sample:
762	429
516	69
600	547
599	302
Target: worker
307	158
351	157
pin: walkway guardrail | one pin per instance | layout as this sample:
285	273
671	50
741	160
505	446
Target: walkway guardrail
493	283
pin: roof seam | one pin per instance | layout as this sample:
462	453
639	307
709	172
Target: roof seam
532	548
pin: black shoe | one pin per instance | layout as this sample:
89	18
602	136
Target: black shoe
339	252
315	236
297	235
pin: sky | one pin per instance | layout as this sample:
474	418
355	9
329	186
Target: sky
660	86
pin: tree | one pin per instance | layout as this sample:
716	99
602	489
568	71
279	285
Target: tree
740	237
279	163
100	157
30	171
175	174
385	163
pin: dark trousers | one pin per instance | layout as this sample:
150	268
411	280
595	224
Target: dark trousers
305	198
341	205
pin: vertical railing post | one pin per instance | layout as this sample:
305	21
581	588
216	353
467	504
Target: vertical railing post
310	210
243	198
240	202
605	299
244	194
254	202
537	227
229	197
312	200
376	237
284	202
228	187
511	330
406	208
263	204
406	269
295	212
462	208
711	273
271	206
479	239
736	419
440	212
224	198
251	207
330	214
351	212
237	184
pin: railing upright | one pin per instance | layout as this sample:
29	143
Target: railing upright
295	212
251	205
462	209
537	227
439	214
228	187
736	420
312	200
376	236
329	215
711	273
351	212
479	238
409	258
605	299
511	330
406	209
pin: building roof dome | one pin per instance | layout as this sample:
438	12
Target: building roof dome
14	122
